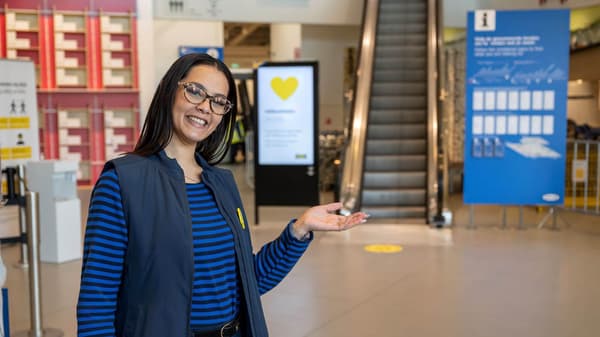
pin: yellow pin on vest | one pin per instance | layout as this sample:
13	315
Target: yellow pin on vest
239	211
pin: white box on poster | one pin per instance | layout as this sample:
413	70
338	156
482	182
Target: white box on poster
477	127
500	125
489	125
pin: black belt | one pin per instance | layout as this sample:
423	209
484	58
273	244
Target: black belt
228	329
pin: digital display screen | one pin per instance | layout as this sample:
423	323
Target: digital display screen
285	107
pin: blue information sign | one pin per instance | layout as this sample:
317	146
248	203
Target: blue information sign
516	99
216	52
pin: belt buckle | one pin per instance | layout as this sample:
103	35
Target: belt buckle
227	326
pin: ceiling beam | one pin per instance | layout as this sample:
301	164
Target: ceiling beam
247	30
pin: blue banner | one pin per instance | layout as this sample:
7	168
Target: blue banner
216	52
517	69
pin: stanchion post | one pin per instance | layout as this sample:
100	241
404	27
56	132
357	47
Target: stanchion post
552	213
35	300
23	263
521	224
471	217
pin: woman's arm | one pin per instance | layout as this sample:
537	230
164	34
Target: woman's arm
103	257
275	260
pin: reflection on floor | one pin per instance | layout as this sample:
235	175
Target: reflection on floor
455	282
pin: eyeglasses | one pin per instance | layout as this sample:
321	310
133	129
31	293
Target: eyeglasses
196	94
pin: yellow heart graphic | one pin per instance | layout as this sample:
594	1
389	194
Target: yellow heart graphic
284	89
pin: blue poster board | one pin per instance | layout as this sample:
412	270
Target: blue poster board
517	69
216	52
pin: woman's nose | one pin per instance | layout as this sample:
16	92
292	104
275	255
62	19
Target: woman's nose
204	106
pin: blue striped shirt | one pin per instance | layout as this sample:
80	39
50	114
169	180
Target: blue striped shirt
216	288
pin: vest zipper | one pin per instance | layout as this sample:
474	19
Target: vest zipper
189	225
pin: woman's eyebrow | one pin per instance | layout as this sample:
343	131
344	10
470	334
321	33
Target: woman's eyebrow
203	87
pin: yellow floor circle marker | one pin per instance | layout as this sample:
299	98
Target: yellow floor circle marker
383	249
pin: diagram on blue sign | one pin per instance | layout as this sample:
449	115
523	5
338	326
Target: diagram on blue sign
533	147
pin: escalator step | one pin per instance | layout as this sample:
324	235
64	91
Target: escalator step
396	147
395	163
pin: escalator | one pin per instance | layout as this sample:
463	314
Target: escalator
390	168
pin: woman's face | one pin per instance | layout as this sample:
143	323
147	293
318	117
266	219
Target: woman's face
192	123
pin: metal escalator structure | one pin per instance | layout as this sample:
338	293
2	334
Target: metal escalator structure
390	163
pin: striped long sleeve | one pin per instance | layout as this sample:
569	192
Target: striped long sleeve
277	258
103	253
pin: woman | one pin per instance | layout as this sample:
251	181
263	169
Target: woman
167	248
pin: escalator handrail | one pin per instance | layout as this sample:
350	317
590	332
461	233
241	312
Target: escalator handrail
351	182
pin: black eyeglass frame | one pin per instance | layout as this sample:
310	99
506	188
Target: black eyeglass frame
211	98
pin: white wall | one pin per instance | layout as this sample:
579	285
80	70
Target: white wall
582	106
146	77
332	12
525	4
158	41
327	45
169	35
455	12
286	40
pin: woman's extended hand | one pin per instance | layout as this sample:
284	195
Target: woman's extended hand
323	218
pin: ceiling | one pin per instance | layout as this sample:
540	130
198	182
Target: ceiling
247	34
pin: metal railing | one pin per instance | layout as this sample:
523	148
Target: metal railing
29	219
437	175
351	183
582	185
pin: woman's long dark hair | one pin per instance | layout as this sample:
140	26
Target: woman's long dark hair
158	126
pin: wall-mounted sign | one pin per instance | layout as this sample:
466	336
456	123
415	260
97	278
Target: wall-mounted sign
216	52
579	171
516	92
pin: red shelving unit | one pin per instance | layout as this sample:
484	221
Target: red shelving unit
86	63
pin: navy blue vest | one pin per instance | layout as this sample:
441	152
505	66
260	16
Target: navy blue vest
156	291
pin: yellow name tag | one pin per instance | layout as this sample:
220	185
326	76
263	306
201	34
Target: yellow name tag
239	212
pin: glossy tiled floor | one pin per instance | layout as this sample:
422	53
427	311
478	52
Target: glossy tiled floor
483	282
